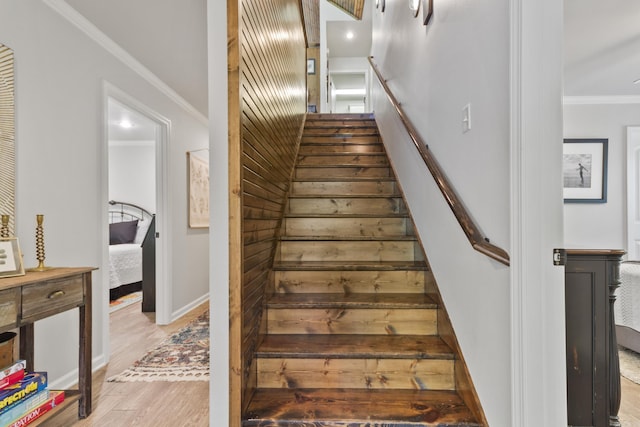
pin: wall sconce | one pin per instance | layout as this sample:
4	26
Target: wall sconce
414	5
380	4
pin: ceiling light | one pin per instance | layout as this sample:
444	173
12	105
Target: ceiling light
636	81
414	5
350	35
126	124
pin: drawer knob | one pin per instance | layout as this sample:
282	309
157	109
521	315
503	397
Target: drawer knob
55	294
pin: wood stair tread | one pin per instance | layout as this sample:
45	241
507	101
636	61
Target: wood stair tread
380	166
346	143
353	238
347	179
354	407
350	265
344	153
344	196
338	300
348	346
354	215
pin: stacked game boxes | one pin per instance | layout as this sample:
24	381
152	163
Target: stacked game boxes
25	396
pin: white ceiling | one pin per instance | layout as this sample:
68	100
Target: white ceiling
602	42
168	37
338	45
141	127
601	47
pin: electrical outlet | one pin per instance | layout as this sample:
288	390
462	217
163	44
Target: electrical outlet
466	118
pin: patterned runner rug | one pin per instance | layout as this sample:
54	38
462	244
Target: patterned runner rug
125	301
184	356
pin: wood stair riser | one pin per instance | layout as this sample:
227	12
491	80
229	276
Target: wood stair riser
346	206
380	227
347	131
357	408
365	321
348	251
344	124
351	281
307	173
344	188
418	374
346	159
344	148
337	139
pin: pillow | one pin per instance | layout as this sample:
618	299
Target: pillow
143	226
122	232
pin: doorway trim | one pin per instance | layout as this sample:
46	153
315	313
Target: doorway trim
163	268
633	192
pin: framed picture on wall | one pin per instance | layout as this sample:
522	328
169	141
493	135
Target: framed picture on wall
584	170
311	66
198	188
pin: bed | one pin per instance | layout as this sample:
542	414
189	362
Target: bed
132	252
627	306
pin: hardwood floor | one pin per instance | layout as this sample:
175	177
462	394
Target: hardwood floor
157	404
630	405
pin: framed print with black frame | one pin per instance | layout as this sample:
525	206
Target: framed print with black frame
10	257
584	170
311	66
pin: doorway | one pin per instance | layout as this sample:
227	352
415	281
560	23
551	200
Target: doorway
134	165
348	92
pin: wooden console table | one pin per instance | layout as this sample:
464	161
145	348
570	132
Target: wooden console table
38	295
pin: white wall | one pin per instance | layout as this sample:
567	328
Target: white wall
464	56
132	173
60	74
601	225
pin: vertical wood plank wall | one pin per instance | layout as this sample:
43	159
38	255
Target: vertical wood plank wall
267	90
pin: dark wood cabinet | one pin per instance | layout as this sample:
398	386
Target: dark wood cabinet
593	370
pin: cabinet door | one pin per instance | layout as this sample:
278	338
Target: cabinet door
586	302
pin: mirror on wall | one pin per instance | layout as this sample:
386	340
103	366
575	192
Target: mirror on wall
7	137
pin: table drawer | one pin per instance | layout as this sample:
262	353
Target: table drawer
9	303
52	295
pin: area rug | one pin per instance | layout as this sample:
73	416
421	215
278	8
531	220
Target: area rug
125	301
630	365
184	356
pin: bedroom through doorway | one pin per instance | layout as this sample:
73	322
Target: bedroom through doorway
133	140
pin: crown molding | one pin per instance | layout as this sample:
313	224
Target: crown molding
84	25
602	100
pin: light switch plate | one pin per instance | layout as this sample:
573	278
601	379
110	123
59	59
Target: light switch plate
466	118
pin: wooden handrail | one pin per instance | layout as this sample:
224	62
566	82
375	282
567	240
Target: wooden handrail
479	242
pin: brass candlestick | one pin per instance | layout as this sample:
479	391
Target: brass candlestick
40	243
4	229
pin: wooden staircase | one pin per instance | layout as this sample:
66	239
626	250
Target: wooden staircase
352	335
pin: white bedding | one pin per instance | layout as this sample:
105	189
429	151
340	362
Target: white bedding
627	306
125	264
